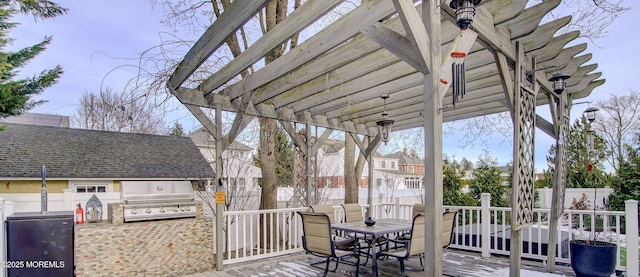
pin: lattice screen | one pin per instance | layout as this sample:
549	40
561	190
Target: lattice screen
525	119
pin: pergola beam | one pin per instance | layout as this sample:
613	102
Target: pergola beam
213	38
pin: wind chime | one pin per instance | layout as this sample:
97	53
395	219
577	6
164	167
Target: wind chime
465	11
458	83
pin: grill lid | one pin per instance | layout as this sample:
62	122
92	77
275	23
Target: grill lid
141	192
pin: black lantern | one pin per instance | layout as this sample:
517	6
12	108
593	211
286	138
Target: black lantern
384	125
590	113
559	81
465	10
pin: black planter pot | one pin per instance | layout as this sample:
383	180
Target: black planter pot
593	259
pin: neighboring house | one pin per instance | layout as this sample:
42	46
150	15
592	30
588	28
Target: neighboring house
237	168
412	168
330	160
89	161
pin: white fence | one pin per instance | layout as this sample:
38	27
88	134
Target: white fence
67	201
472	232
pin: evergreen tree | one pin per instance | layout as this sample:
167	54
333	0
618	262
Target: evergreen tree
627	184
16	95
579	158
487	179
452	185
284	154
176	130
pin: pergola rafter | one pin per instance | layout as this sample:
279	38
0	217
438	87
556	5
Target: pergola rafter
400	48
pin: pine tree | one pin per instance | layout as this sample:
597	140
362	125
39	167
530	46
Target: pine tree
176	130
579	157
284	157
16	95
487	179
627	184
452	185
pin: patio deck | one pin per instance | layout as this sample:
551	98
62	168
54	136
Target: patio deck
456	263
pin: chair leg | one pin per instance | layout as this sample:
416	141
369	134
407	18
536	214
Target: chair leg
402	267
326	269
315	264
357	264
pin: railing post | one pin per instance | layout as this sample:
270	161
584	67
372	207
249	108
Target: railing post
631	216
397	215
68	204
3	245
485	201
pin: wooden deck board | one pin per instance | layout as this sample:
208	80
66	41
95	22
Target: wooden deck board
456	263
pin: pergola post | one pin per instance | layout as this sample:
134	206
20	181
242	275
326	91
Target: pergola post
560	177
219	188
432	117
523	151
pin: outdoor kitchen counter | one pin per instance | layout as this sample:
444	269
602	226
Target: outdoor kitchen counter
146	248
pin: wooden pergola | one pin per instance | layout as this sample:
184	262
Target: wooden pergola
400	48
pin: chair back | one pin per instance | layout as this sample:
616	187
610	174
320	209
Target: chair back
448	222
325	209
317	233
418	209
416	245
352	212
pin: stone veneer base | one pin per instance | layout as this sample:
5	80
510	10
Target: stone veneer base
171	247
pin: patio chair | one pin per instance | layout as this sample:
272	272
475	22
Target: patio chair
352	212
340	242
448	223
403	238
448	218
414	247
317	240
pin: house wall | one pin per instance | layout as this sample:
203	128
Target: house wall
32	186
172	247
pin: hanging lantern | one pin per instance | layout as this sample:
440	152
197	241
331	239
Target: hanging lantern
465	10
94	209
590	113
384	125
458	83
559	81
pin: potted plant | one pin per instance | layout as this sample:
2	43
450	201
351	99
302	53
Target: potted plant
591	257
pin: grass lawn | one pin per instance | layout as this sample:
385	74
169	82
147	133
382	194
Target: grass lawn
623	256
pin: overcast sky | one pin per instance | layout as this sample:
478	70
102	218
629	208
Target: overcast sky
97	44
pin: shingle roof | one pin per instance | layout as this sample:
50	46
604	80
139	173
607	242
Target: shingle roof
79	153
404	158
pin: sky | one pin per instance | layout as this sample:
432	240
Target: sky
97	44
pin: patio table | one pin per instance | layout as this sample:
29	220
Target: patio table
381	228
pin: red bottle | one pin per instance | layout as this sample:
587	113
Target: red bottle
79	214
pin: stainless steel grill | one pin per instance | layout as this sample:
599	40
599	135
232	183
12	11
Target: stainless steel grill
151	200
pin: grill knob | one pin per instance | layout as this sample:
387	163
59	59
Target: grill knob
134	211
161	210
148	210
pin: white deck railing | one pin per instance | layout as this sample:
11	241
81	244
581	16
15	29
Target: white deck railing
252	235
247	241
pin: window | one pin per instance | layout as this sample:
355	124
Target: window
379	182
382	164
412	182
91	188
393	164
242	184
